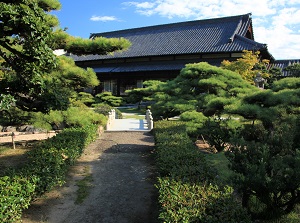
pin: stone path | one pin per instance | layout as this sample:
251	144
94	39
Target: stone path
122	168
129	124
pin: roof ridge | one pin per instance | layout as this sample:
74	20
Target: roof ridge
290	60
210	20
230	40
250	40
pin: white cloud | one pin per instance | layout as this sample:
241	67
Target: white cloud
143	5
275	22
280	33
103	18
201	8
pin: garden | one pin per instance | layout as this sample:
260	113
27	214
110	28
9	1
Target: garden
250	173
252	170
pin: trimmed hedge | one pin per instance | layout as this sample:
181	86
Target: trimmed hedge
46	168
187	185
15	195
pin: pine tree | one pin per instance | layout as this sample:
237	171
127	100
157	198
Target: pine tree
28	36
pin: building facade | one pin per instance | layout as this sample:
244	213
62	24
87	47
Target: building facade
160	52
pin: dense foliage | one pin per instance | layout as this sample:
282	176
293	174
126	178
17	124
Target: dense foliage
199	87
46	168
108	98
268	171
72	117
187	185
29	70
294	70
258	129
248	66
105	109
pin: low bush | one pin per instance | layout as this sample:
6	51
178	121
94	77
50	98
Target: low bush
76	117
13	116
217	132
108	98
46	167
15	195
72	117
104	109
188	187
194	120
189	202
268	171
86	98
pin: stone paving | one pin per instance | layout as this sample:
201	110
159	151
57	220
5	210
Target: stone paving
128	124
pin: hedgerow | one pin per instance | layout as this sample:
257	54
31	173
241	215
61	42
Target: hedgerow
46	168
187	185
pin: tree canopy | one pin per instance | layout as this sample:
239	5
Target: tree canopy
248	65
293	69
199	87
259	129
28	36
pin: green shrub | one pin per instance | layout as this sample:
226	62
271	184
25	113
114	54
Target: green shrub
46	168
104	109
268	170
15	195
217	131
108	98
86	98
76	117
14	116
187	202
52	120
194	120
51	160
188	187
73	117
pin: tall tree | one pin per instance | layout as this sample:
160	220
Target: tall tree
28	36
293	69
248	66
199	87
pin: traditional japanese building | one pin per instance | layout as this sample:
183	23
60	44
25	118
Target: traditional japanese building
160	52
281	64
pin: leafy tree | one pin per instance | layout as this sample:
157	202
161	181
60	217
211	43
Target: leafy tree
293	69
266	154
108	98
145	93
248	66
281	103
202	88
268	171
6	102
28	36
275	75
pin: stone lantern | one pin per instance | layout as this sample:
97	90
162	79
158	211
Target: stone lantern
259	81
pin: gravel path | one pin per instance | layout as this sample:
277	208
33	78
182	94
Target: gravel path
121	164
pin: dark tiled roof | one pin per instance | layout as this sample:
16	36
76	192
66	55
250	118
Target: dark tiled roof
283	64
226	34
150	66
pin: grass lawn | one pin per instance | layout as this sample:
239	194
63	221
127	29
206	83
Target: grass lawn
220	162
132	112
13	158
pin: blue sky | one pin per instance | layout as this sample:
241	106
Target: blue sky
275	22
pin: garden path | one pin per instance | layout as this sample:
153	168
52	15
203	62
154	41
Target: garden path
122	190
129	124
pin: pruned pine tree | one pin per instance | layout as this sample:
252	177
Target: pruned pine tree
28	36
